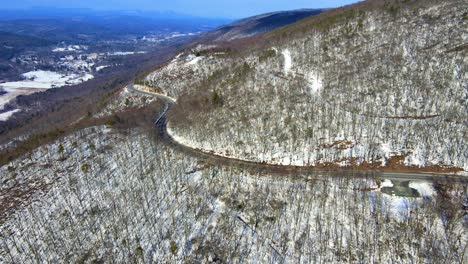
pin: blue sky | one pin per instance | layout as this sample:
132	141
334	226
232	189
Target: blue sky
206	8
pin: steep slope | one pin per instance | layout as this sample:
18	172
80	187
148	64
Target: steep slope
98	195
377	84
114	194
260	24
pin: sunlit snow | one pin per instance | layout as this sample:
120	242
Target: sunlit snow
425	189
287	61
98	68
5	116
70	48
194	61
386	183
47	79
315	82
125	53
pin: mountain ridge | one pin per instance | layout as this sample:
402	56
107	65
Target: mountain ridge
263	92
259	24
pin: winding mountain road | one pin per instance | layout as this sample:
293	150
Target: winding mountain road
274	169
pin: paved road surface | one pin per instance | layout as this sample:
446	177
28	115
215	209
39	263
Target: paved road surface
294	171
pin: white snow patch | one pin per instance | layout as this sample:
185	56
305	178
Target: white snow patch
4	99
194	61
315	82
125	53
218	209
386	149
98	68
107	130
386	183
13	92
425	189
399	206
5	116
38	85
287	61
70	48
47	79
125	90
195	177
178	35
416	158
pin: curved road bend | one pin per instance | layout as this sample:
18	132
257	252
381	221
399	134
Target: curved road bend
296	171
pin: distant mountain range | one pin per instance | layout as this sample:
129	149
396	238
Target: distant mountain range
72	24
259	24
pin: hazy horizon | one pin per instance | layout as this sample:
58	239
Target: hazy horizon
202	8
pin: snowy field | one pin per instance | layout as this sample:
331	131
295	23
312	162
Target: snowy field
125	53
37	81
70	48
47	79
14	92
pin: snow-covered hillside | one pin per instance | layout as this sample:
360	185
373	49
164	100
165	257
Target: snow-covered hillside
99	195
374	89
185	69
124	100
